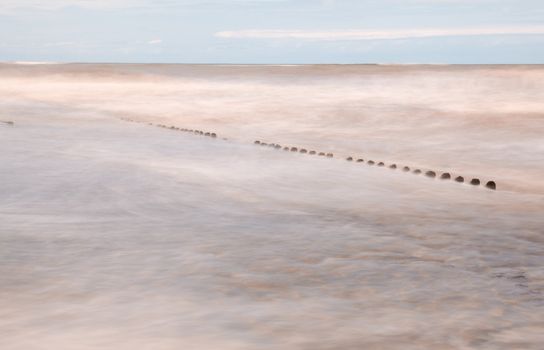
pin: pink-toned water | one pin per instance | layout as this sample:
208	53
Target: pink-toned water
118	235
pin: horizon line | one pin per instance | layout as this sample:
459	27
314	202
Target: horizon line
37	63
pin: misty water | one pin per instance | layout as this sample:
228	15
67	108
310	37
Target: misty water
125	235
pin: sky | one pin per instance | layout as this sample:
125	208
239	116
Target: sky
273	31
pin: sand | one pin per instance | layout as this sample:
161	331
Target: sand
124	235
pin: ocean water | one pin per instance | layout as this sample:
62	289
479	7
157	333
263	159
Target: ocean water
124	235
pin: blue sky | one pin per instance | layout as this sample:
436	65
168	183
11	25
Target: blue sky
273	31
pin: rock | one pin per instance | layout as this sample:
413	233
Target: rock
322	154
360	160
330	155
491	185
207	134
264	144
272	145
370	162
381	164
214	135
349	159
460	179
277	147
406	169
417	171
393	166
286	148
294	149
302	150
475	182
445	176
312	152
430	173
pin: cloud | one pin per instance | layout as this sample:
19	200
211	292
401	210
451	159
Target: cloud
13	5
60	43
155	42
382	34
9	5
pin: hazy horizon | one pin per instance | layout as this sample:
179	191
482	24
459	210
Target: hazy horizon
268	64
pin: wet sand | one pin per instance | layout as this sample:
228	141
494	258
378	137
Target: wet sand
119	235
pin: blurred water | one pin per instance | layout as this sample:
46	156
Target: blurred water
117	235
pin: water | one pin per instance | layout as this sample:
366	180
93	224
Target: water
120	235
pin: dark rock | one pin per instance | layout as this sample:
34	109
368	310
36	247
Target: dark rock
491	185
393	166
277	147
381	164
430	173
312	152
406	169
321	154
286	148
475	182
445	176
459	179
207	134
294	149
330	155
370	162
349	159
214	135
302	150
417	171
360	160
